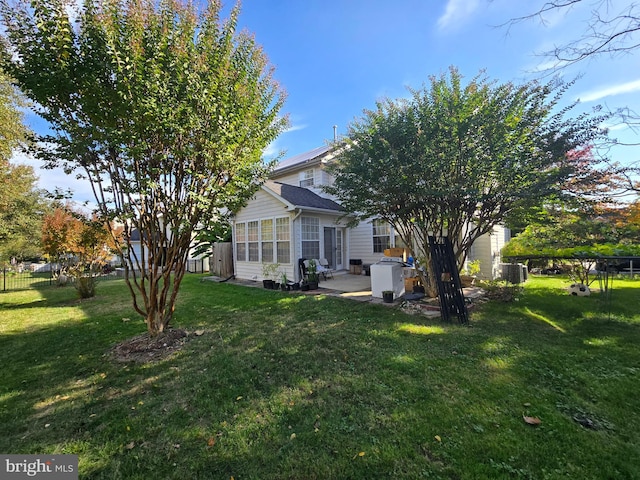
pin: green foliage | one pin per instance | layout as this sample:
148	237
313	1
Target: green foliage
456	159
420	398
270	271
502	291
578	233
13	132
22	206
473	267
163	107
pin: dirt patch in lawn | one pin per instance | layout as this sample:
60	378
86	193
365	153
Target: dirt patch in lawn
146	348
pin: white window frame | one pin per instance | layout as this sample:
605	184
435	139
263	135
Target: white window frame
241	241
310	233
376	225
282	247
253	241
307	178
267	240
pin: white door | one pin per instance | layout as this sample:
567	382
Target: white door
339	250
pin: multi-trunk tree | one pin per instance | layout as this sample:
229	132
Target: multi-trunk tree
457	159
162	106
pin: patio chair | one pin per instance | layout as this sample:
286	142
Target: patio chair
324	268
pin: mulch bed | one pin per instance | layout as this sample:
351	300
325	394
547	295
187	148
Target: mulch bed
146	348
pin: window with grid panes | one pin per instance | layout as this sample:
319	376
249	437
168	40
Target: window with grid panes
310	237
252	241
307	178
241	239
266	240
381	236
283	240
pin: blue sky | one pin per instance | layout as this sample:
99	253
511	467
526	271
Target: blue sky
337	57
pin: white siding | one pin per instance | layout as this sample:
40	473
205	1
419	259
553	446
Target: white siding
487	249
289	178
360	242
321	177
262	206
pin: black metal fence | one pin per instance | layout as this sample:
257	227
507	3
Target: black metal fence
199	265
14	279
18	278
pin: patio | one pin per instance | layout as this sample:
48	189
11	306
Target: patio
344	284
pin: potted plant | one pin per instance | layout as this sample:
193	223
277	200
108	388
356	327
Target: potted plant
284	284
472	270
312	275
269	274
387	296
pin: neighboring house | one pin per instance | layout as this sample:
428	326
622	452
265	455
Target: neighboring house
194	262
291	217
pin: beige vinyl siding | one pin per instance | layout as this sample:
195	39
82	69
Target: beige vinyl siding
289	178
361	244
262	206
487	249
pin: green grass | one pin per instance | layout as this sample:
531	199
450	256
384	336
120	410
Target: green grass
285	386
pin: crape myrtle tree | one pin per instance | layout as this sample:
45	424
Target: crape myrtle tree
456	159
164	107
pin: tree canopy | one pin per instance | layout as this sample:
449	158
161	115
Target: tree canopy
164	107
457	159
21	202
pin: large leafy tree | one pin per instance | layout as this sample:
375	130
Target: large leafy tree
21	202
457	159
165	108
22	205
79	245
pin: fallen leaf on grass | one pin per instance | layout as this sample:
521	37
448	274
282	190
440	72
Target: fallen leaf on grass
532	420
198	333
437	437
212	441
361	454
130	445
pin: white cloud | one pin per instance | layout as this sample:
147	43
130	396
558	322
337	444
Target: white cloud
295	128
610	91
50	179
456	12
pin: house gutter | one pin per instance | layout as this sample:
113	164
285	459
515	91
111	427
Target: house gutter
302	209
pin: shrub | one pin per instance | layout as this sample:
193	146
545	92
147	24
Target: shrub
502	291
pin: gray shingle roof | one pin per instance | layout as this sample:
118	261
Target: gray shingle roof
302	197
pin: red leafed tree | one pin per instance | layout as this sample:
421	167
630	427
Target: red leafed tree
81	246
587	183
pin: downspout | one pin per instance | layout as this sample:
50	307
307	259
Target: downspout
298	212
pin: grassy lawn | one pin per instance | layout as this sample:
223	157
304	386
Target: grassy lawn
285	386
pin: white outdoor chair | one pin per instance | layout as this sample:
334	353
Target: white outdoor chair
325	268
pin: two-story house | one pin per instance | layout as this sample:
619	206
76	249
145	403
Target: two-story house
290	218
